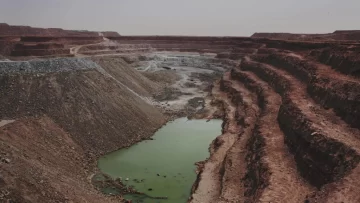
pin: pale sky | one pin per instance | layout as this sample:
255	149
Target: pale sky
185	17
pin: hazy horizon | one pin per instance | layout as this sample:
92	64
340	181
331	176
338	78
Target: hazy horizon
196	17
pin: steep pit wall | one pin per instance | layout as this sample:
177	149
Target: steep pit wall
235	54
39	52
345	35
110	34
236	98
297	46
328	89
181	38
342	61
97	47
6	47
344	99
113	48
27	46
257	175
320	159
39	49
190	44
35	39
42	45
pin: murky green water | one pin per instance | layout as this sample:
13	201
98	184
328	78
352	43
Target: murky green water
164	167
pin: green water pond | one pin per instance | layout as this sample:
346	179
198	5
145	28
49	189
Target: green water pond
165	166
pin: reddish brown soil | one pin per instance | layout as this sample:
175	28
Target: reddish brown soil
33	174
65	121
337	35
80	103
344	60
305	144
11	30
290	105
37	36
325	85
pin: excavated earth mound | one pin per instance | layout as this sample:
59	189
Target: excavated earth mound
38	151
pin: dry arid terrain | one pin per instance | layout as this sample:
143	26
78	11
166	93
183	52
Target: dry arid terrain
290	105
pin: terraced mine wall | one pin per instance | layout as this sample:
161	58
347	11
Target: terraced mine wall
40	52
9	35
7	44
178	38
345	35
221	44
321	155
343	95
295	45
256	176
44	46
300	135
316	117
6	47
346	62
61	39
39	46
191	44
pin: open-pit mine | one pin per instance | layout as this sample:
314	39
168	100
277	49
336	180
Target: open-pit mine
100	117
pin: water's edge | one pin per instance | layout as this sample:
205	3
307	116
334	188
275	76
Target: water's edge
165	166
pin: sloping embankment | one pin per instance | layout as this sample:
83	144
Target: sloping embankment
62	101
